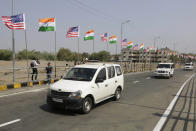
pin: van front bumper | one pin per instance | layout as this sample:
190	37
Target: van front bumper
65	103
161	74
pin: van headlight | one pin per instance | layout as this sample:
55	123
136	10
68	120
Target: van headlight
76	94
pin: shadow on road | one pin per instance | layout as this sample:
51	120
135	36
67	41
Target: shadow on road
59	111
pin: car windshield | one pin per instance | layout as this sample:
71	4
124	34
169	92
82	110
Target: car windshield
163	66
80	74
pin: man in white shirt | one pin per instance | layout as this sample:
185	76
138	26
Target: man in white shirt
34	65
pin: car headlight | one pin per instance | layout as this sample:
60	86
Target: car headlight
76	94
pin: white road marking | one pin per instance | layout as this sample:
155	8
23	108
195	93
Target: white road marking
36	90
136	82
11	122
148	78
165	115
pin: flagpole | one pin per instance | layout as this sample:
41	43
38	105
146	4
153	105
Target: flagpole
78	48
13	46
93	45
55	51
27	57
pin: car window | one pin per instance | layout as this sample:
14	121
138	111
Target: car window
118	70
111	72
102	74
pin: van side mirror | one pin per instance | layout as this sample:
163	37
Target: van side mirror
99	80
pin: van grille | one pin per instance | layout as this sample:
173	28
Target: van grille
57	93
161	71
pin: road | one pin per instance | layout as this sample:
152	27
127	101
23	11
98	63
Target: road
143	102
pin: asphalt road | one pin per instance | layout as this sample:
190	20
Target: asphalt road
143	102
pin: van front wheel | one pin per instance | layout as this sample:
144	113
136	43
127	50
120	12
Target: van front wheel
87	105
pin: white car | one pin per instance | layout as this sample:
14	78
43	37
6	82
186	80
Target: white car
188	66
86	85
164	70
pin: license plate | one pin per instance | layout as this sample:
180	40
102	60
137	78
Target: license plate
57	100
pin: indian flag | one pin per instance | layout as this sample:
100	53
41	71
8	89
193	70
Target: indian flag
47	24
113	39
150	48
130	45
89	35
141	46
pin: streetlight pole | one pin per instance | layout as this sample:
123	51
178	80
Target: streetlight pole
155	38
121	37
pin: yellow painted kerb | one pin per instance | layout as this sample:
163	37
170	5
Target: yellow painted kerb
17	85
41	82
3	87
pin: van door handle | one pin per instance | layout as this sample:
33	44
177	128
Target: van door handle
106	85
116	81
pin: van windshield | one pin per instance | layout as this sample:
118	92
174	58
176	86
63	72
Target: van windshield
188	64
80	74
163	66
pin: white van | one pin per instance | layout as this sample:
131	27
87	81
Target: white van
188	66
86	85
164	70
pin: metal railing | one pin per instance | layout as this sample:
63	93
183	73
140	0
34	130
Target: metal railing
23	74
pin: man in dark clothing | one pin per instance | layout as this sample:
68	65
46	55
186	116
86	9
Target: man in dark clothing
48	72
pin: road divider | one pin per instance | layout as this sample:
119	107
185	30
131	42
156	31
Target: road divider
25	84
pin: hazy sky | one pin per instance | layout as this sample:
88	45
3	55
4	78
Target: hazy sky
173	20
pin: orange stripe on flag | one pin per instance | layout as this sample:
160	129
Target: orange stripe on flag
113	37
90	31
45	20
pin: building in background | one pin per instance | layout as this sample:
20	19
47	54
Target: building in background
147	56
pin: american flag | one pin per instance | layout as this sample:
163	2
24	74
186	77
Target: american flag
104	37
16	22
73	32
124	42
135	47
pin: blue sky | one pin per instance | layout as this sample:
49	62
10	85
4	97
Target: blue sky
173	20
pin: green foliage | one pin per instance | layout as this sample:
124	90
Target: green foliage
31	54
101	56
47	56
65	54
5	54
21	55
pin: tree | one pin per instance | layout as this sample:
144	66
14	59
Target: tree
65	54
5	54
101	56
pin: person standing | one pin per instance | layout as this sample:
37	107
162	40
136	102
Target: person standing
34	66
48	73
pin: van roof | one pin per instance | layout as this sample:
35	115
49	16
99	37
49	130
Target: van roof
95	65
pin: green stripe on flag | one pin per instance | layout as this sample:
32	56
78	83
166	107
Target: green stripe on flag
50	28
112	42
130	46
89	38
